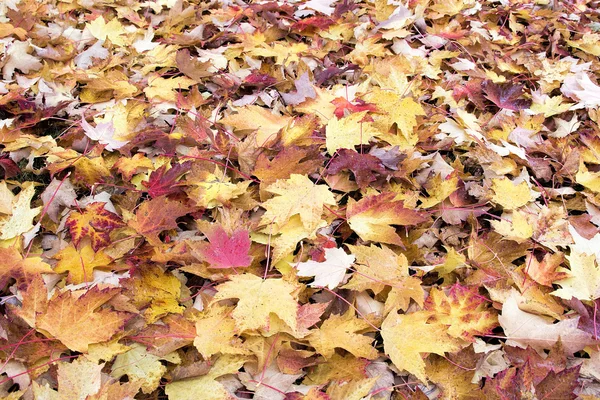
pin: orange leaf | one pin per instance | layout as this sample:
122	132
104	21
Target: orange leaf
77	320
94	222
372	216
158	215
15	266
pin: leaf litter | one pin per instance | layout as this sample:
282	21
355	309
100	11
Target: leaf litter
323	199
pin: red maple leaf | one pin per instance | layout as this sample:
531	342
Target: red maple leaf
363	166
341	105
164	182
225	251
95	222
505	95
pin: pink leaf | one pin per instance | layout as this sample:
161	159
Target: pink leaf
225	251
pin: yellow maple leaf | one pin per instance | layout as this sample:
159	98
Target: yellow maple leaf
80	263
283	52
142	367
167	89
377	267
395	110
297	195
342	331
111	85
211	190
462	311
516	228
337	368
583	282
454	381
453	260
257	299
255	118
401	294
348	132
156	291
207	385
77	320
111	30
216	333
407	336
284	242
22	215
372	216
80	379
590	180
321	106
509	195
439	189
551	106
353	390
14	265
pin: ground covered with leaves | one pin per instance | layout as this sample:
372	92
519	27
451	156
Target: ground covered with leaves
322	199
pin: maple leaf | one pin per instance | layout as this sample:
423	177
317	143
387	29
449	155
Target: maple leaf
290	160
406	336
35	300
348	132
208	384
342	105
214	189
154	291
166	89
192	67
258	299
407	289
559	386
163	182
505	95
363	166
80	263
173	332
225	251
462	310
510	195
103	133
343	331
79	379
377	267
355	390
524	329
439	189
21	218
454	381
17	57
157	215
328	273
216	333
304	90
14	265
296	195
111	30
77	320
254	118
372	216
395	110
141	367
583	280
95	222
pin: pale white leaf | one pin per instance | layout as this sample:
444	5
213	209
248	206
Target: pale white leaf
329	273
523	329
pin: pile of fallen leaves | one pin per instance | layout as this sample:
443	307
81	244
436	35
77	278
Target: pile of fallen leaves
322	199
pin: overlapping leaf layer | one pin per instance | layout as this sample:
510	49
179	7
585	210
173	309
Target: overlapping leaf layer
322	199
